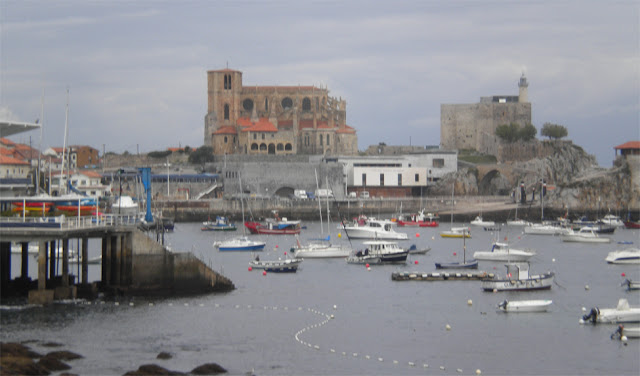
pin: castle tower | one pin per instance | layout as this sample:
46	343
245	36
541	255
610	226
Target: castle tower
523	96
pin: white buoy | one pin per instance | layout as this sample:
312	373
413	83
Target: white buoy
586	287
448	327
369	269
395	362
478	371
433	237
469	302
495	290
623	338
442	368
584	309
553	260
117	304
131	304
332	316
459	370
335	306
380	359
425	365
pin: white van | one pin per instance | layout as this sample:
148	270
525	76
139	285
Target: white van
324	193
300	194
364	194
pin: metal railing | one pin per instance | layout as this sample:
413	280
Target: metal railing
76	222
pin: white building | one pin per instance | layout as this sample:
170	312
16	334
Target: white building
88	183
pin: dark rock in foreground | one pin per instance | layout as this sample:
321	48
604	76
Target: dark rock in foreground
53	364
164	355
208	369
152	370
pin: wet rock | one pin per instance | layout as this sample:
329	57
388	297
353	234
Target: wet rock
208	369
63	355
17	365
152	370
53	364
164	355
17	350
52	344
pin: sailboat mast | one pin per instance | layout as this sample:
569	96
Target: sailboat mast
40	146
242	204
64	146
319	203
328	214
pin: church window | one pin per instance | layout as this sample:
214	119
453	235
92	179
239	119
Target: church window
306	104
255	136
247	104
225	139
266	104
320	140
263	136
226	112
328	140
272	149
287	103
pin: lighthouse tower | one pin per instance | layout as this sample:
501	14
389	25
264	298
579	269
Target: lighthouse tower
523	96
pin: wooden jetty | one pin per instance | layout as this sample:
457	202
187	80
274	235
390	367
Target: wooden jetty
439	276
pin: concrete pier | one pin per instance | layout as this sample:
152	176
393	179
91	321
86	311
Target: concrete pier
132	263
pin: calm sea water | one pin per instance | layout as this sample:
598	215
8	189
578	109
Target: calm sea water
277	324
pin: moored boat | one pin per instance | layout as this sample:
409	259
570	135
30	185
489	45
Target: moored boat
374	229
631	285
632	224
503	252
478	221
518	279
379	252
625	256
626	331
612	220
584	235
220	224
274	226
419	220
524	305
240	244
545	229
623	313
456	232
276	266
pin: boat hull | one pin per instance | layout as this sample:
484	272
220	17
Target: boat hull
457	265
502	256
525	306
257	228
540	282
365	233
242	244
320	251
286	266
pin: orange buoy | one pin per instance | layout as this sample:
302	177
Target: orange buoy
623	274
367	265
264	272
455	253
250	268
417	235
416	262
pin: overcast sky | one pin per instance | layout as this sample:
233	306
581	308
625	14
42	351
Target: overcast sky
136	71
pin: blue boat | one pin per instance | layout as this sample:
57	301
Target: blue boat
220	224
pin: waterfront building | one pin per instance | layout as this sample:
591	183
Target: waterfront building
274	120
77	156
473	126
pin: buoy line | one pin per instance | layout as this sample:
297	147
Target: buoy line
297	336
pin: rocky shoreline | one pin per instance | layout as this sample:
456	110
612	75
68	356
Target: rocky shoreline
20	359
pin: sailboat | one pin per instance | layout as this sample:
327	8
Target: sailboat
320	248
241	243
455	232
472	264
516	221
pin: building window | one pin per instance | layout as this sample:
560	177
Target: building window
288	147
247	104
287	103
225	139
399	180
263	136
280	147
263	147
328	140
364	180
320	140
226	112
255	136
438	162
417	178
382	180
254	146
227	82
306	104
266	104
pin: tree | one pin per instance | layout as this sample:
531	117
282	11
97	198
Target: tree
201	155
528	132
508	132
554	131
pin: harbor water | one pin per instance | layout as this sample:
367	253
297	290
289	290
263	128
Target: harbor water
334	318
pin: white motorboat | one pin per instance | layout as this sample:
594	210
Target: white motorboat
456	232
319	249
379	252
503	252
518	279
544	229
478	221
626	331
374	229
611	220
125	205
524	305
276	266
241	243
623	313
584	235
626	256
517	222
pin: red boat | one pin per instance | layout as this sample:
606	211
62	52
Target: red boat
419	220
274	226
632	224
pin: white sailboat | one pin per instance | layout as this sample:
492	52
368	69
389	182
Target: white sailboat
455	232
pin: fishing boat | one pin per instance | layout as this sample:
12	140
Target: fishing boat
220	224
632	224
503	252
524	305
611	220
471	264
418	220
379	252
125	205
631	285
623	313
414	250
274	226
478	221
584	235
545	229
276	266
518	279
374	229
625	256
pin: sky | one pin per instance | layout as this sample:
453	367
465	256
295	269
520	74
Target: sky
135	72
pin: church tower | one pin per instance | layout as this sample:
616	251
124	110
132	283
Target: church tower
523	96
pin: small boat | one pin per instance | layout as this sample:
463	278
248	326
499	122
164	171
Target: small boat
502	252
623	313
374	229
522	281
611	220
545	229
275	226
276	266
631	285
524	305
626	256
419	220
125	205
626	331
320	248
478	221
584	235
517	222
604	229
240	244
413	250
632	224
379	252
471	264
220	224
456	232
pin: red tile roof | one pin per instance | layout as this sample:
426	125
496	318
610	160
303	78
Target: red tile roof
262	125
91	174
6	142
6	160
346	129
629	145
227	129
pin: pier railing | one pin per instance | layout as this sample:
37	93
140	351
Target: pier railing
64	222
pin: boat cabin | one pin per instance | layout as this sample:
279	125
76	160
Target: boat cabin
518	270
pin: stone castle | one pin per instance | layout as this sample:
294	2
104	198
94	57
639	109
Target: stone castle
277	120
473	126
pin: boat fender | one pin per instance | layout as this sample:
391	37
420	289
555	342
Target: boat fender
458	275
435	274
491	275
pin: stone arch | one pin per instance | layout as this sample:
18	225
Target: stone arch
288	147
286	192
272	148
280	147
493	182
254	146
263	147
